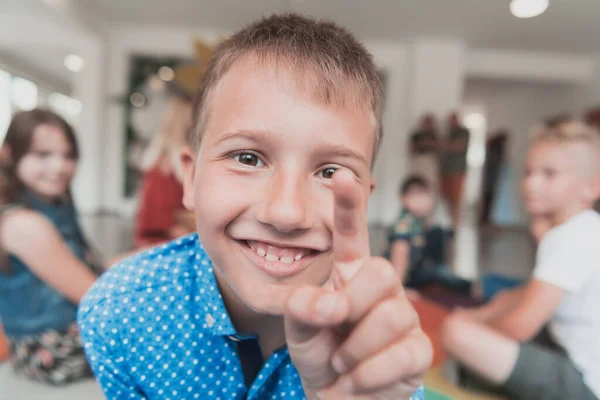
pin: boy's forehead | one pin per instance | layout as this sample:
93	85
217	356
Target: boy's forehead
565	155
305	82
250	84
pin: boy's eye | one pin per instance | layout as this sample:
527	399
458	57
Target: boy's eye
248	159
549	173
42	154
328	172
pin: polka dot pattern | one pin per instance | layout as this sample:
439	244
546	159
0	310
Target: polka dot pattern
155	327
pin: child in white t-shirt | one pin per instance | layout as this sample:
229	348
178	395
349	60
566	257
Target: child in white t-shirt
495	341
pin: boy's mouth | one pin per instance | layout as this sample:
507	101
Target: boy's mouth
286	255
278	261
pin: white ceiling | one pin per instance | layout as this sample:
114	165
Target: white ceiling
568	25
47	59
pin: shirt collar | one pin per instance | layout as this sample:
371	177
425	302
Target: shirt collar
207	297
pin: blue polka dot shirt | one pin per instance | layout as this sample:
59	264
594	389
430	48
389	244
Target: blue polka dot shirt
155	327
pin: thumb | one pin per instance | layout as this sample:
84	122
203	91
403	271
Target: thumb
309	315
310	309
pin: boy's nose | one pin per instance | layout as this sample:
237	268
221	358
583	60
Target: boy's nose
285	205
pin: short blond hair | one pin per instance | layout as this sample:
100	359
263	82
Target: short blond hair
322	54
571	132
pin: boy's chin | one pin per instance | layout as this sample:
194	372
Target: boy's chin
266	305
265	299
538	211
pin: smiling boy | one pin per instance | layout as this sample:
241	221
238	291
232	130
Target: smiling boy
277	296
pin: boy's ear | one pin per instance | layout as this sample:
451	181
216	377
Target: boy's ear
188	162
373	185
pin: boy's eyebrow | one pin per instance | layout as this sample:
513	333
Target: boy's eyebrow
262	137
325	148
337	150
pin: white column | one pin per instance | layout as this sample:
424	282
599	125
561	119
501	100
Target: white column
88	87
437	80
437	77
390	166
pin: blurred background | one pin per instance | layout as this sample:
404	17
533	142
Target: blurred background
110	68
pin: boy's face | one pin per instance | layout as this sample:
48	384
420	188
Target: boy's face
261	182
418	201
557	179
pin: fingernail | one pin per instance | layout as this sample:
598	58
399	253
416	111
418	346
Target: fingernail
348	385
348	270
338	365
326	305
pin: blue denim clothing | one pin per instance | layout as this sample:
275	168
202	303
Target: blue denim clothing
27	304
155	327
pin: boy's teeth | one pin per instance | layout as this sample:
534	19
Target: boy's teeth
262	252
272	257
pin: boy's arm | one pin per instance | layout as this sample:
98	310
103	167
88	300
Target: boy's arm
400	255
501	304
108	363
535	307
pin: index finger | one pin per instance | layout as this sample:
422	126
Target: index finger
350	232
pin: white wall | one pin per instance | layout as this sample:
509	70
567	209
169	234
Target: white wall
517	106
587	96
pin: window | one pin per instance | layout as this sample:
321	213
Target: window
24	94
65	106
20	94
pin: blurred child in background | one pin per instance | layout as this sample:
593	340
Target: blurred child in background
506	341
46	265
416	250
161	215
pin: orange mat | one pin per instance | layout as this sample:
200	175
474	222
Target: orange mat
3	345
432	316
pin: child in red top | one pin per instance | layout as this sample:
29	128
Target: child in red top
162	191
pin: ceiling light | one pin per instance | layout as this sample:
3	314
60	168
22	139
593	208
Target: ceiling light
74	63
137	99
166	74
528	8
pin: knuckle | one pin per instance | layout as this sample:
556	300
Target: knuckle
391	316
348	357
420	355
297	300
361	378
384	270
